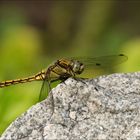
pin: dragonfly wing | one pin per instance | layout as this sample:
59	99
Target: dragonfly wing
44	90
95	66
103	61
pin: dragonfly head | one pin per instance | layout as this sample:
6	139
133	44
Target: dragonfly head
78	67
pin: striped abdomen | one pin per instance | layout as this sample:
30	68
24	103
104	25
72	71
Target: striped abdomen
39	76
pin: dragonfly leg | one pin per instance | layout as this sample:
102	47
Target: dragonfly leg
80	79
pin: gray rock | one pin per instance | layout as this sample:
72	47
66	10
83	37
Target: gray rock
107	107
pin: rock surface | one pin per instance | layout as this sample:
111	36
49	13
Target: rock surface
107	107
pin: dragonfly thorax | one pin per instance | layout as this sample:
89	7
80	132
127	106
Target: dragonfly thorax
78	67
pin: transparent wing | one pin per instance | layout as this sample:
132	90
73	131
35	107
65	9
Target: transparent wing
103	61
44	90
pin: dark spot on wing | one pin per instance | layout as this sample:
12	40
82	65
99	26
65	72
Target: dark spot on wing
121	54
98	64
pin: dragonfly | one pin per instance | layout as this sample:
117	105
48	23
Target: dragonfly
64	68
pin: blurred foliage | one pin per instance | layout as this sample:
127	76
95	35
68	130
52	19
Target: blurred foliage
33	34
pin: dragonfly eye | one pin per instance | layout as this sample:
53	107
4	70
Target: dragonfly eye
78	67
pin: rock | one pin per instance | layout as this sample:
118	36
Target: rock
107	107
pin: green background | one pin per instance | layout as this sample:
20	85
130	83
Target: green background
35	33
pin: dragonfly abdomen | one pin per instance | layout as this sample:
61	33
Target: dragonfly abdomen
36	77
16	81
